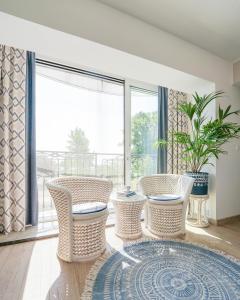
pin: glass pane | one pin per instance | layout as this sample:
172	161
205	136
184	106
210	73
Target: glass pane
80	127
144	133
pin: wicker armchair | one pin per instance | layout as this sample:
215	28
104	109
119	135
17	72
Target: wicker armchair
166	218
81	236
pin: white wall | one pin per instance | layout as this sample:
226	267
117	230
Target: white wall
152	51
228	168
65	48
97	22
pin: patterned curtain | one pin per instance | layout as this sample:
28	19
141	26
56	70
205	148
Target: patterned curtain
12	139
176	122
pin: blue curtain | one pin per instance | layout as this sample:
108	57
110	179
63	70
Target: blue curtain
163	127
31	174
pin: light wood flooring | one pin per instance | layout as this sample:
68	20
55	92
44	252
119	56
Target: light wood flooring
32	271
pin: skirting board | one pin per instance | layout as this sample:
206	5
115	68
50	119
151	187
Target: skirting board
28	239
224	221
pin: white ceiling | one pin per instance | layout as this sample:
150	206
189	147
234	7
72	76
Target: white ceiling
213	25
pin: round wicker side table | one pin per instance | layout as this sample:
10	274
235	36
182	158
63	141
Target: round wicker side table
128	216
197	217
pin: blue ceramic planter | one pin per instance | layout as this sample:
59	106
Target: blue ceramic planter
200	185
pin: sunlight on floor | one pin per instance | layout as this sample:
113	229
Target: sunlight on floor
206	233
37	260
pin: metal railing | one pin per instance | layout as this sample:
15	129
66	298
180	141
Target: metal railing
52	164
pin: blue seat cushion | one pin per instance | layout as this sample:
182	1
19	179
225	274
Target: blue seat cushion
164	197
88	208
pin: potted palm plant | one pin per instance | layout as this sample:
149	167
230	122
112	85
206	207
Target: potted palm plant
205	138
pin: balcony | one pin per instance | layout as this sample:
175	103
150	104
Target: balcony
52	164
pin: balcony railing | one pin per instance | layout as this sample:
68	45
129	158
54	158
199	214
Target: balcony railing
52	164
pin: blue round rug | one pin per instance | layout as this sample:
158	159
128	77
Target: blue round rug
166	270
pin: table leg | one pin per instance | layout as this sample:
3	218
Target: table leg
199	213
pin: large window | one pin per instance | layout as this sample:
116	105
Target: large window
92	125
80	129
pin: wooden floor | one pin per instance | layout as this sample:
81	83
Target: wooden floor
31	270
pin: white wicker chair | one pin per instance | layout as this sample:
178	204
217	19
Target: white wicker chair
81	236
166	218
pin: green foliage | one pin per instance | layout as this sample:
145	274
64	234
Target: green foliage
144	133
206	137
78	142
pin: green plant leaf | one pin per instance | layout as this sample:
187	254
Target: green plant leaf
206	137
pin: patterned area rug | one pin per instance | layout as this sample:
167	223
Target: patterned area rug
164	269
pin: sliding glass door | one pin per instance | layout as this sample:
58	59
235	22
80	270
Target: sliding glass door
144	133
80	129
92	125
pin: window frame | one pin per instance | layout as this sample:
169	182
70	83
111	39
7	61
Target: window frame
127	84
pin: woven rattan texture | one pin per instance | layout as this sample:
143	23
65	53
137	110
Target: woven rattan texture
164	219
128	215
80	238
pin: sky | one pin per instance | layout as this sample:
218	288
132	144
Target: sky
62	107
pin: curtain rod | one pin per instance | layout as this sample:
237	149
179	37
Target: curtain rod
78	71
